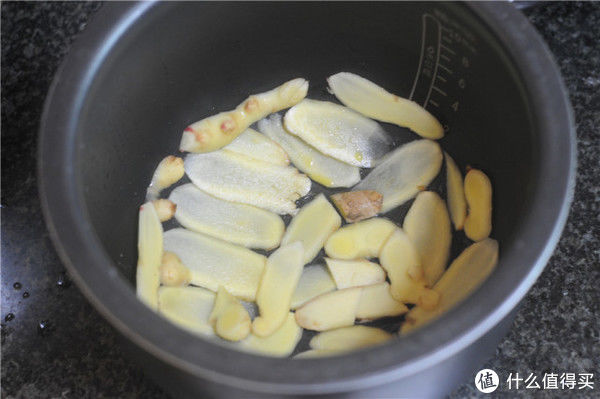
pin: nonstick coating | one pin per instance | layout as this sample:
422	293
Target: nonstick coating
184	70
142	73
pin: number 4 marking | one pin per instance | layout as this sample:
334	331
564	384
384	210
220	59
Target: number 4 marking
455	106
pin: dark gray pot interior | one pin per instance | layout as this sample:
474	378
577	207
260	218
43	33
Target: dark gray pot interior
141	73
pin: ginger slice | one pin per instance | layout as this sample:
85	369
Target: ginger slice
238	178
466	273
376	301
280	343
457	204
314	281
404	172
172	272
213	262
187	307
478	193
312	226
321	168
277	285
258	146
234	324
217	131
165	209
358	205
363	239
339	132
229	318
328	311
349	338
340	308
222	300
354	273
427	224
169	171
400	259
375	102
237	223
408	290
150	251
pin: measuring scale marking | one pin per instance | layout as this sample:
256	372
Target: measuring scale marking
438	71
430	51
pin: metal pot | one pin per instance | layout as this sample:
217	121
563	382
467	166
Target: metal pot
142	71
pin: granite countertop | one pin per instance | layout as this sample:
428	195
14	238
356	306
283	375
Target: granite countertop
54	344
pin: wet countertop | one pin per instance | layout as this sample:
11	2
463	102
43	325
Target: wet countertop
54	344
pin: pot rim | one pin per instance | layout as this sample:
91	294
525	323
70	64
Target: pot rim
81	250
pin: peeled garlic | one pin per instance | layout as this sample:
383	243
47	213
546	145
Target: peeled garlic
349	338
277	285
457	204
213	262
359	240
150	250
427	224
321	168
187	307
312	226
217	131
339	132
478	192
169	171
258	146
375	102
354	273
314	281
466	273
237	178
172	271
376	301
404	172
332	310
237	223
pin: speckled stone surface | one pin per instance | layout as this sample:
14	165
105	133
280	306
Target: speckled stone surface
76	354
57	345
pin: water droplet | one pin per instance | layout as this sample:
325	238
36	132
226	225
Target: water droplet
9	317
44	327
26	294
17	286
63	281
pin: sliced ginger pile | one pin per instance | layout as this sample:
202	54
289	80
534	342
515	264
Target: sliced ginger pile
206	276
